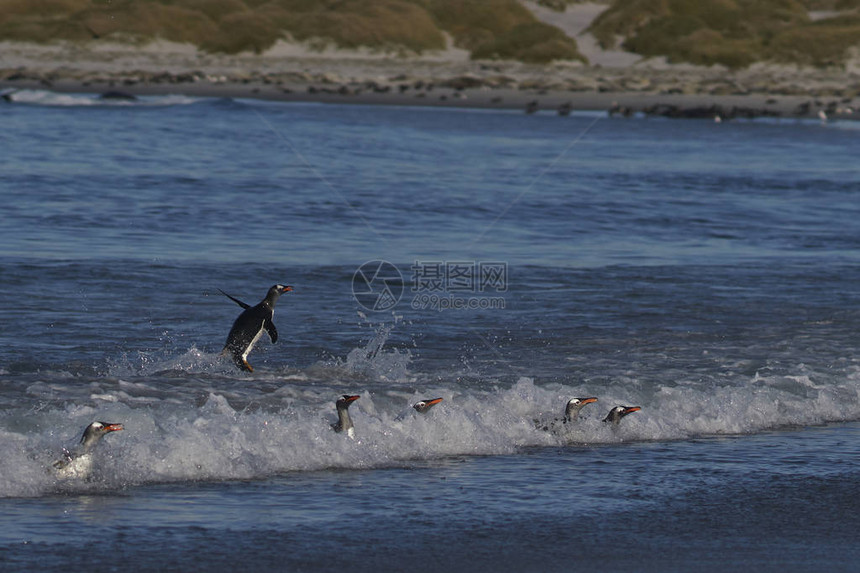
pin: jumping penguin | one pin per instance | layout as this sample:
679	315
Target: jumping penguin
249	326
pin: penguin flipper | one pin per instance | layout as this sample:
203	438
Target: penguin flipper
270	328
244	305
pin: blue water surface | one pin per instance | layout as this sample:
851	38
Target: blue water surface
705	272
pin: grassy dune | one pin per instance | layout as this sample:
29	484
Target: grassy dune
488	28
734	33
501	29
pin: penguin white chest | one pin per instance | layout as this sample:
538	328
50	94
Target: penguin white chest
79	467
253	341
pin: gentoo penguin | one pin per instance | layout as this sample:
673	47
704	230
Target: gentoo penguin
249	326
573	406
615	414
571	412
422	406
78	463
344	422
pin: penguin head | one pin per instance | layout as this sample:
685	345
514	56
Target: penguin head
277	290
618	412
345	400
424	405
574	405
97	430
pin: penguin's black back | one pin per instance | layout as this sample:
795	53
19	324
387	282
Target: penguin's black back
247	326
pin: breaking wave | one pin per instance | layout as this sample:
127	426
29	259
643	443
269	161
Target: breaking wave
190	417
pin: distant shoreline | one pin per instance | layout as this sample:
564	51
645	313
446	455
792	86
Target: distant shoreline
698	106
447	80
500	98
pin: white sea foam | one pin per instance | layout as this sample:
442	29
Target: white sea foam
216	438
55	99
192	417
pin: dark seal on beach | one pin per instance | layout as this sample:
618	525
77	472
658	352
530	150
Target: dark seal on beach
118	96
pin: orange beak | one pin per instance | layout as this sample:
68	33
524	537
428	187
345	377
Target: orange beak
113	428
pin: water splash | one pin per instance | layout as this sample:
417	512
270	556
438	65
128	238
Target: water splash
152	363
375	361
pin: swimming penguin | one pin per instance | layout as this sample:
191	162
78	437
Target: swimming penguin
571	412
573	406
78	463
615	414
422	406
344	422
249	326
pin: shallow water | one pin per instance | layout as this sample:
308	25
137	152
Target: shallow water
705	272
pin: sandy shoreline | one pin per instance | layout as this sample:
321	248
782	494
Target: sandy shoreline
289	73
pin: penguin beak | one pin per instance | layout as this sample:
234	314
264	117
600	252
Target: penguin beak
351	398
588	400
287	289
425	405
113	427
630	410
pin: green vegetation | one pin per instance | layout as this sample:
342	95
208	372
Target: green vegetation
535	42
488	28
821	43
45	20
734	33
501	29
387	24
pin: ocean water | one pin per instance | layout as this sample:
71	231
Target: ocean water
707	273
